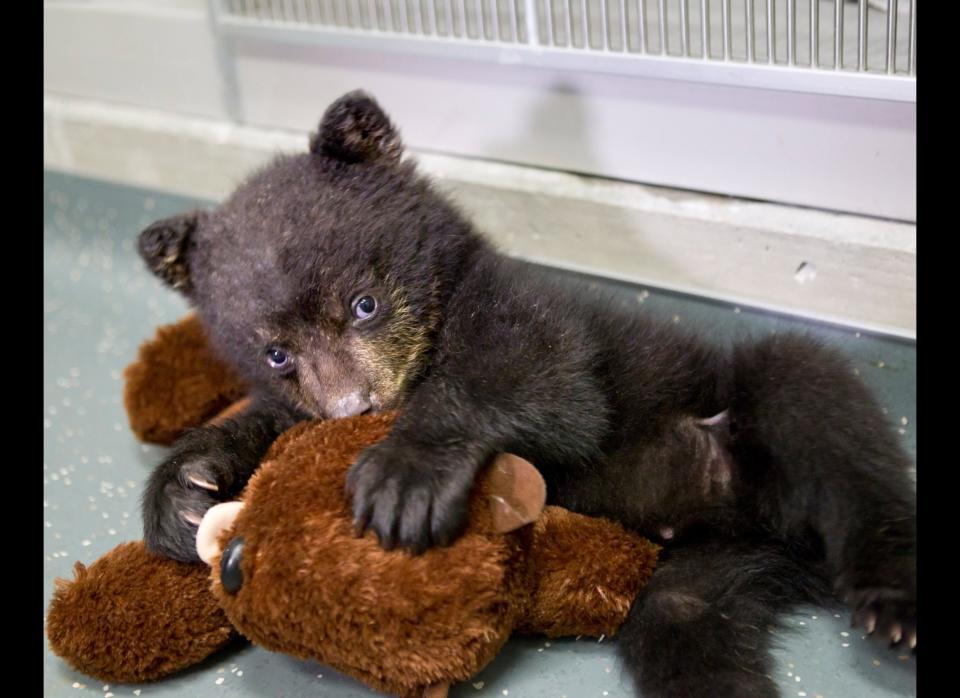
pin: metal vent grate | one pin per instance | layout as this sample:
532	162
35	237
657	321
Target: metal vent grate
827	40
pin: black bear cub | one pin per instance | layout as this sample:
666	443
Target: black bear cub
339	282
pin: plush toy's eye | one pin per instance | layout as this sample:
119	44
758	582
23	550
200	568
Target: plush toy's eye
364	307
279	360
231	576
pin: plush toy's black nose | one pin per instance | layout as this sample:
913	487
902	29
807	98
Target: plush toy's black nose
231	577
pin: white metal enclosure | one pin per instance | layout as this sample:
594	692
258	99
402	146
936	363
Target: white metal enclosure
837	47
824	90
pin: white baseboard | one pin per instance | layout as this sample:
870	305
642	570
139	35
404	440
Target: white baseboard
839	268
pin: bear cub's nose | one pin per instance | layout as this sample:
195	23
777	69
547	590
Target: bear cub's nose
353	404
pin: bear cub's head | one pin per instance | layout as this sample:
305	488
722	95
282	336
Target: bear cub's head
323	278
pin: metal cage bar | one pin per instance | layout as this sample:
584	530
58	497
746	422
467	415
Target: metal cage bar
515	29
684	29
771	31
624	35
814	33
584	24
462	12
388	16
530	15
838	34
308	15
604	26
605	36
418	17
448	25
642	25
351	14
891	36
725	12
863	19
912	47
662	21
791	32
705	27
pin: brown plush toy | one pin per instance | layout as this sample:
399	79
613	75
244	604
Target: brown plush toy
288	573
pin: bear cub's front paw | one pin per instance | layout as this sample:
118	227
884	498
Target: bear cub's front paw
411	497
179	493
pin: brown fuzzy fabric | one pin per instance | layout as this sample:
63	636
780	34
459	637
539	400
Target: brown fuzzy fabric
176	383
313	589
399	623
587	573
132	616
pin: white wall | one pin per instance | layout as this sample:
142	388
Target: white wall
134	53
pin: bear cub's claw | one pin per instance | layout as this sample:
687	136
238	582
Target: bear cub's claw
179	493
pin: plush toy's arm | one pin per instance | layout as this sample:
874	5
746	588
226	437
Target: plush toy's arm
133	616
177	383
588	571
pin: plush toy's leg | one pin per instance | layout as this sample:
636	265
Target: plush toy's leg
132	616
701	627
588	572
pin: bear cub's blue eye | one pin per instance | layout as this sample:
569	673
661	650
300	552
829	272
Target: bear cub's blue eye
364	307
279	359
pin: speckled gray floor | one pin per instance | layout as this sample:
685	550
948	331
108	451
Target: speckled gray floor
99	304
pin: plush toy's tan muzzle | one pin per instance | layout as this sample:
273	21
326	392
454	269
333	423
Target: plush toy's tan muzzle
217	519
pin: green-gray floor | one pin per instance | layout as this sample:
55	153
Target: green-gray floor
99	304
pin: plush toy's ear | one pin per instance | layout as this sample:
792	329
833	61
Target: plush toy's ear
517	492
356	129
166	246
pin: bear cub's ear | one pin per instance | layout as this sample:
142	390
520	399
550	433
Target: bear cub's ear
166	245
356	129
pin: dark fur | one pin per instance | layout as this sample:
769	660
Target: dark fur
797	485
